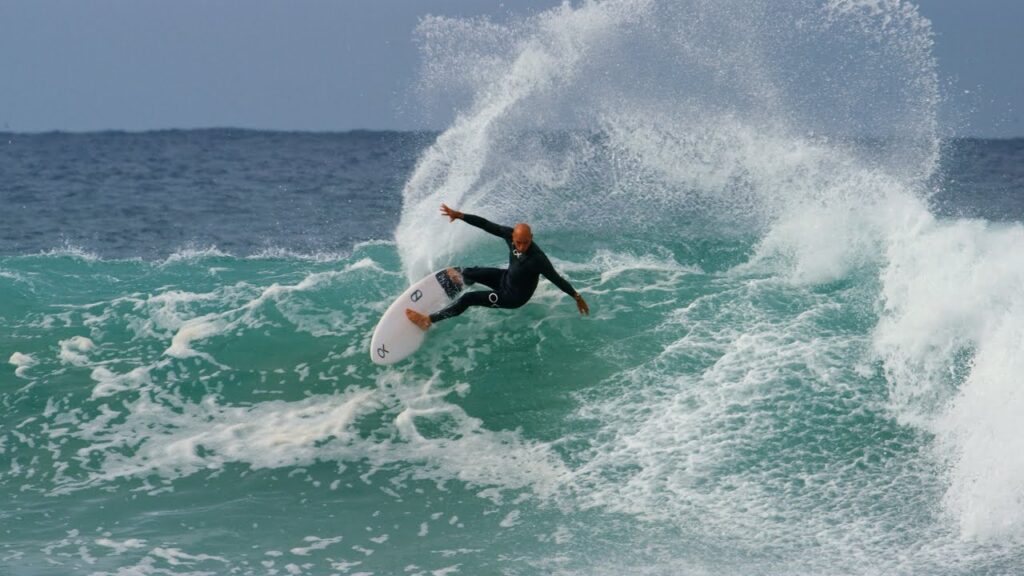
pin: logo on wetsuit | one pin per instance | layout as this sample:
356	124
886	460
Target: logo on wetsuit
517	254
493	297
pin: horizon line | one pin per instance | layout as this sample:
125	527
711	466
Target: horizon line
7	132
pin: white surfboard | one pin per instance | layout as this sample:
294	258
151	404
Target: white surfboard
395	337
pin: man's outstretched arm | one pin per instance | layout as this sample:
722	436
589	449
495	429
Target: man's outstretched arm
481	223
549	272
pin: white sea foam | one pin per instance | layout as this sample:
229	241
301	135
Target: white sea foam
611	265
468	451
176	557
370	243
21	363
171	310
73	251
13	276
190	254
108	383
511	519
193	254
286	254
314	543
950	337
75	350
182	438
119	548
192	330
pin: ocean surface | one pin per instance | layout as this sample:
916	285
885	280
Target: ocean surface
803	354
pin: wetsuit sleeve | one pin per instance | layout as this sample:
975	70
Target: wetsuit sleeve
549	272
488	226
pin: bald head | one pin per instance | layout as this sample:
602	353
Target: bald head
522	237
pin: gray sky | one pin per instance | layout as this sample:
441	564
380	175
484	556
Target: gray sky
346	64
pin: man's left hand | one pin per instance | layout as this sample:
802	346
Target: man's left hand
582	305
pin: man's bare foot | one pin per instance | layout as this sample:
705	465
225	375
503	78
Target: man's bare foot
421	320
455	277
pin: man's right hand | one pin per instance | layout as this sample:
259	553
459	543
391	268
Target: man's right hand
452	214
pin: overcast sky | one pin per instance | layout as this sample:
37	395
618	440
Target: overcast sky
346	64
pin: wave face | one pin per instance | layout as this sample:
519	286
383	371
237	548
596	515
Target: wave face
802	356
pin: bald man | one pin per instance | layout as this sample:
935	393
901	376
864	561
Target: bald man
509	288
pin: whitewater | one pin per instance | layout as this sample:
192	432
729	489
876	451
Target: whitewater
802	354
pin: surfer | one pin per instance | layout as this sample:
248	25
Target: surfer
509	288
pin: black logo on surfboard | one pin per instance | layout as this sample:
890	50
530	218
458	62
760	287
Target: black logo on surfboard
382	352
415	296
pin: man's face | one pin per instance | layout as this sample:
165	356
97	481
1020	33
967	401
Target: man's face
522	237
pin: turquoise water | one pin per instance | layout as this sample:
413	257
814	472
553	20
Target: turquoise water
802	356
208	413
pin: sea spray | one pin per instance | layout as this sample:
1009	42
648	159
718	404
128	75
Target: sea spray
676	111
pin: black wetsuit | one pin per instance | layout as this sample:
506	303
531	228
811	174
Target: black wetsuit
509	288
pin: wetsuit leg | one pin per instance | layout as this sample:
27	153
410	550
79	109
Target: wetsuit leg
490	277
475	298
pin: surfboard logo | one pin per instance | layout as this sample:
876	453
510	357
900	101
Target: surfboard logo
415	296
382	352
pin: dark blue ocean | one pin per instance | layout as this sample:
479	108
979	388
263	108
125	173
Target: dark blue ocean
149	195
803	353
